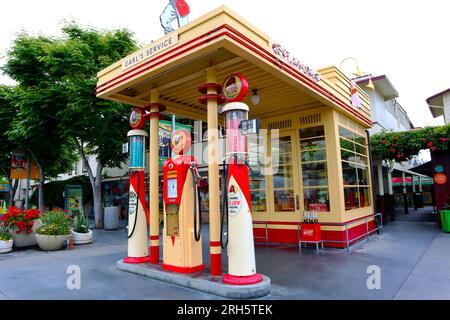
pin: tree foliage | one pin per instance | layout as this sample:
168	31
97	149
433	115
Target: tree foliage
403	146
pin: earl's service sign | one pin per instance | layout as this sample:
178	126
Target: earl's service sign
149	51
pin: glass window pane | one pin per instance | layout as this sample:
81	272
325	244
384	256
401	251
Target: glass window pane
314	143
314	155
316	200
360	149
283	177
363	174
360	139
312	132
258	199
349	174
364	197
349	145
284	200
345	133
257	182
347	155
351	198
315	174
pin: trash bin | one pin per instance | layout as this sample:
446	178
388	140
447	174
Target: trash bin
445	220
111	218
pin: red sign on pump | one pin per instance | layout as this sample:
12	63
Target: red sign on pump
235	88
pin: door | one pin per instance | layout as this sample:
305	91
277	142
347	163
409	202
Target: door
285	179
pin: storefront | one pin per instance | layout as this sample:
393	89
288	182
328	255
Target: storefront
314	156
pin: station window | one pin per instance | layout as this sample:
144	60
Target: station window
355	169
257	175
314	169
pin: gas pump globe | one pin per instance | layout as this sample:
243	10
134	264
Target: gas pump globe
236	112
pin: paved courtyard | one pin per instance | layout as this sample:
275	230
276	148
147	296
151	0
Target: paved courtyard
412	253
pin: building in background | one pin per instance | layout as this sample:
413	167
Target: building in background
439	105
395	186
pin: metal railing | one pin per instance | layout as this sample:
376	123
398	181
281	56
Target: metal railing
348	242
266	237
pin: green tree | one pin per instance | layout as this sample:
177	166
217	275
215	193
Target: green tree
7	113
97	127
38	97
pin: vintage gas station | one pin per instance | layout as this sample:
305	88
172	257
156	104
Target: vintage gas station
319	168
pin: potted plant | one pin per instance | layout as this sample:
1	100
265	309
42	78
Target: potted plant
23	223
55	231
6	240
81	232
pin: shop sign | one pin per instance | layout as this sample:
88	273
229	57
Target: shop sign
439	169
151	50
287	58
4	187
440	179
249	127
235	88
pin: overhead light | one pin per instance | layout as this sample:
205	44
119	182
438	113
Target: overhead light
370	85
256	99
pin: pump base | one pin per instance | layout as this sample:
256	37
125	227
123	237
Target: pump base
184	270
131	260
242	281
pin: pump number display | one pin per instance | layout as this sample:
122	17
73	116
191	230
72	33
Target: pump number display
172	188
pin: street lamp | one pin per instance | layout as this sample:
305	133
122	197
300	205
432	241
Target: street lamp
358	73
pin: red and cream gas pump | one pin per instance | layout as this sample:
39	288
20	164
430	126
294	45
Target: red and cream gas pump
138	213
241	248
182	248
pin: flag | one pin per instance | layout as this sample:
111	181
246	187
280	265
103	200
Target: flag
356	102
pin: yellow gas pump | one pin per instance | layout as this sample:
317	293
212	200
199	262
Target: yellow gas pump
182	245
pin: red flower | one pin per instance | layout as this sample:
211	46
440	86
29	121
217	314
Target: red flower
444	139
429	144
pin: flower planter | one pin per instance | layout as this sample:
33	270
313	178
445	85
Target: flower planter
6	246
23	239
51	243
82	238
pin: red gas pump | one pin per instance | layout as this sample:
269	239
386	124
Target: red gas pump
182	248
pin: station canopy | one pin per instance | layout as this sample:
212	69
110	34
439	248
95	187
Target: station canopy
176	65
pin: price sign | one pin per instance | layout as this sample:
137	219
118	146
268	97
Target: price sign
249	127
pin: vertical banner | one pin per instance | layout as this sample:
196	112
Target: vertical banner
165	135
74	199
19	166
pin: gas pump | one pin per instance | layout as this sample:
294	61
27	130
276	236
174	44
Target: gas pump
182	248
237	201
138	213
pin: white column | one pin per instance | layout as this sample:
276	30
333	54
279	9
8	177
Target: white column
391	186
420	184
404	181
380	179
413	184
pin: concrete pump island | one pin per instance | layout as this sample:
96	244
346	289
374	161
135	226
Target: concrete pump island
307	178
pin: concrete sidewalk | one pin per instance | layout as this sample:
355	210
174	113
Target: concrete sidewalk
414	258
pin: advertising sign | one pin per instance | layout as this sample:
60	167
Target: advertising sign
235	88
165	136
74	199
19	166
440	179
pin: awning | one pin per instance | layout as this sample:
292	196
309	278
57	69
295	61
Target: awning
425	169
